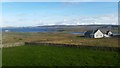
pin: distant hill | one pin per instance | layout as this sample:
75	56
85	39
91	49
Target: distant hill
85	26
70	28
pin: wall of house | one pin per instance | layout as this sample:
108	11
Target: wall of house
98	34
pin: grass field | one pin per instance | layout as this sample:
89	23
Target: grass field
58	56
0	57
59	37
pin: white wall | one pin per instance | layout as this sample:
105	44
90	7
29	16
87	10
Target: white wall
98	34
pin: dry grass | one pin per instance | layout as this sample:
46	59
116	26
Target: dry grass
58	37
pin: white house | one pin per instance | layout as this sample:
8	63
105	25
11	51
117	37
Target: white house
108	34
94	34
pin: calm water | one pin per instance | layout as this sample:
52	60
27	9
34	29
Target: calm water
82	33
37	29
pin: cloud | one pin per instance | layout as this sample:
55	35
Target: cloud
85	20
0	21
61	20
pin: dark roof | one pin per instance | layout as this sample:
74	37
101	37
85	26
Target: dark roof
108	31
94	31
91	31
104	30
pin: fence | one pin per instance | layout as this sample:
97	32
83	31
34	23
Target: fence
62	45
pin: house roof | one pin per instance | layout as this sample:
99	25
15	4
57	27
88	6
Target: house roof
92	31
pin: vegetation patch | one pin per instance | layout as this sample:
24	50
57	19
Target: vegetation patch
58	56
58	38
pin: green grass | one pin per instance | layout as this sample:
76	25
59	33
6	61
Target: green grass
0	57
57	56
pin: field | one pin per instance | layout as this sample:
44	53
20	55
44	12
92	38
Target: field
39	55
0	57
53	34
59	37
30	55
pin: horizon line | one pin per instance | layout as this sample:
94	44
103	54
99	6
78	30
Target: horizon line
59	25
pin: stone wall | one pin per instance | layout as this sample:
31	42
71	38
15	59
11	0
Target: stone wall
13	44
76	46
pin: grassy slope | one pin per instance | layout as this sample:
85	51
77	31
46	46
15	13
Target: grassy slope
57	56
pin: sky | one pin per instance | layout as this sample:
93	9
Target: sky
21	14
60	0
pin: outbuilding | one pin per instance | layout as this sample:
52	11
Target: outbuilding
108	34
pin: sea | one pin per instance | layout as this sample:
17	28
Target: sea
29	29
39	29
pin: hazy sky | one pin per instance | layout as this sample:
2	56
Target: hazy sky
60	0
58	13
